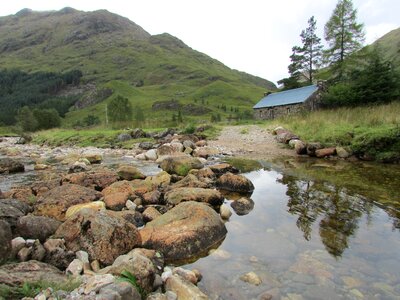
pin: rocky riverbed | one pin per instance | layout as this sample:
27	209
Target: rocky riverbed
80	214
121	216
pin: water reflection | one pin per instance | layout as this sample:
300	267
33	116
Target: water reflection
338	212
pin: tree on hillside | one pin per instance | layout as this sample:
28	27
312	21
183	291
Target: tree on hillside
120	109
311	52
47	118
343	34
375	81
304	59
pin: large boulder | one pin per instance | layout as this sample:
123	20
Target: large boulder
235	183
188	230
180	165
97	180
101	234
37	227
5	241
8	165
16	274
127	172
136	263
56	202
178	195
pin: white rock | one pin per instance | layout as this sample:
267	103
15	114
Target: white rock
75	268
130	205
177	146
83	256
251	278
96	282
225	212
166	274
151	154
17	244
141	156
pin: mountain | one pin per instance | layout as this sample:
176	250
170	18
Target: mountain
389	44
115	54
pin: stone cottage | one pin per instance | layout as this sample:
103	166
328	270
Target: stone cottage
307	98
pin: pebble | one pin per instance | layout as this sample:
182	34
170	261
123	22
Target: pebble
130	205
251	278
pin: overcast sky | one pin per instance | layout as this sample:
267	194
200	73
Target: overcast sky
255	36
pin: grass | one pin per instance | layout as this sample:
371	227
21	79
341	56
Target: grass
374	130
169	69
131	278
31	289
7	131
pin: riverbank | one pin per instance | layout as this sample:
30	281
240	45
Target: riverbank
371	132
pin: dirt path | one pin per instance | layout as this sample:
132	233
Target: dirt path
250	141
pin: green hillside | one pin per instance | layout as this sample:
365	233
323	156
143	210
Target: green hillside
113	52
389	44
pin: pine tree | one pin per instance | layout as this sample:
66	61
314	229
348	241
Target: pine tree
311	52
343	34
304	59
26	120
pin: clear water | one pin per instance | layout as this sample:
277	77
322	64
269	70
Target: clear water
307	239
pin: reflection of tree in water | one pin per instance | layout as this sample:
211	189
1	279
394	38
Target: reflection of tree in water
339	212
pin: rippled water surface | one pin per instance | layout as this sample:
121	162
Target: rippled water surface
310	239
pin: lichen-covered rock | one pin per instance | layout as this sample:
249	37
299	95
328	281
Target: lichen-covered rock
127	172
16	274
56	202
150	214
37	227
178	195
235	183
101	234
180	165
116	195
97	180
187	230
190	180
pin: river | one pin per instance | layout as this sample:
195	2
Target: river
318	230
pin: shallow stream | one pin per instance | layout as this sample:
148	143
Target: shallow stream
311	238
318	230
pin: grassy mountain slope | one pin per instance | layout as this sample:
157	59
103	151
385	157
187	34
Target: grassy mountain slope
389	44
112	51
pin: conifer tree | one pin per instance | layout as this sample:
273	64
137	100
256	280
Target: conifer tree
311	52
343	34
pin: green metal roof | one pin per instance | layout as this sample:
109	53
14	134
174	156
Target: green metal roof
287	97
